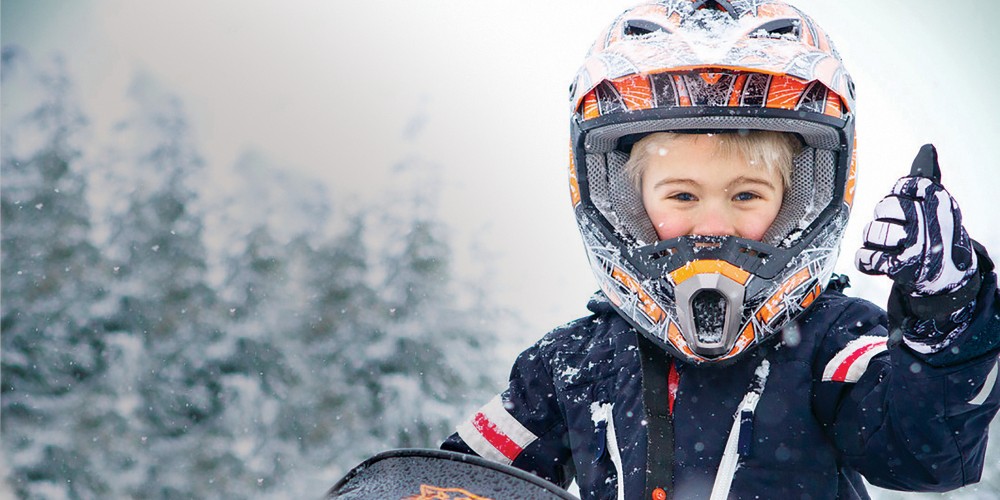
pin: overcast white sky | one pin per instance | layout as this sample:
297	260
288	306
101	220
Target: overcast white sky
344	90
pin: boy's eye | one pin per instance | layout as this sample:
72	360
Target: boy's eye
745	196
682	197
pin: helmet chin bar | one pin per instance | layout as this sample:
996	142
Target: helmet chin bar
710	322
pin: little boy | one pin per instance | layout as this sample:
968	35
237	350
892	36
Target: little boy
712	175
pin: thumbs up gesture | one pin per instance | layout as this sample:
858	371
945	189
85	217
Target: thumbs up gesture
916	237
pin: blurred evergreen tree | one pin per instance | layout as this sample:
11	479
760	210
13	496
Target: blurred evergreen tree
432	361
335	317
162	300
146	357
53	351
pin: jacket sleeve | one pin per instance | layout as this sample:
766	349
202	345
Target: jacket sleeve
905	420
523	426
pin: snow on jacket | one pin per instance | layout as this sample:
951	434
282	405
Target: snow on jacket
837	402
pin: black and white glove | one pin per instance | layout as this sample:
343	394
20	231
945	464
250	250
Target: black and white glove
918	240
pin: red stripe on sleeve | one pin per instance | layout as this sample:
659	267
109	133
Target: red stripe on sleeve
840	374
495	437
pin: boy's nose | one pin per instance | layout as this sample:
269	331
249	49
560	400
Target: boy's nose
714	223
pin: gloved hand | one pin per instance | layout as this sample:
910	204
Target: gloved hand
917	238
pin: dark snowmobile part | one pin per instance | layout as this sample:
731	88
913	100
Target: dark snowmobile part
414	474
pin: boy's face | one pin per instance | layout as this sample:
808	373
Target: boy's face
688	189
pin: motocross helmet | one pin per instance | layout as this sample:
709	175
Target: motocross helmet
699	66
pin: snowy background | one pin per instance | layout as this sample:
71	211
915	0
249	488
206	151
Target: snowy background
428	128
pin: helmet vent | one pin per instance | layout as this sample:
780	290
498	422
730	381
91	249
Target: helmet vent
642	27
754	252
722	5
709	311
707	242
779	28
666	252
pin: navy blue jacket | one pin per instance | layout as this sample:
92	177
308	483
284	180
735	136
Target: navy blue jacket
837	402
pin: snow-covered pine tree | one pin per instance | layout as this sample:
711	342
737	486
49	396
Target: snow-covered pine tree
53	351
429	358
324	414
132	369
254	373
163	304
266	222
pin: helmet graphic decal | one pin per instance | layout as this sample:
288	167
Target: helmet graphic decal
716	88
712	67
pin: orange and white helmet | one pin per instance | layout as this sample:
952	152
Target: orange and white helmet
697	65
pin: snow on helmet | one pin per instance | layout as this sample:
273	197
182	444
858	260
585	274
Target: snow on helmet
706	66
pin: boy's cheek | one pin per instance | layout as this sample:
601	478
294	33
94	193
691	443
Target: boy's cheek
755	233
667	225
754	226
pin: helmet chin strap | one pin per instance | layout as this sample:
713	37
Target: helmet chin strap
659	372
656	368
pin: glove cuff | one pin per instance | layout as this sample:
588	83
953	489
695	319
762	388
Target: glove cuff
931	323
983	257
940	306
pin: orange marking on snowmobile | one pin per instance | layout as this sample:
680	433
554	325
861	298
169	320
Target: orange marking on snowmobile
635	91
784	92
428	492
648	305
776	303
709	266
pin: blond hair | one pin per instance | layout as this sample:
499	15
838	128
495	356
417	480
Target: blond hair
760	148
